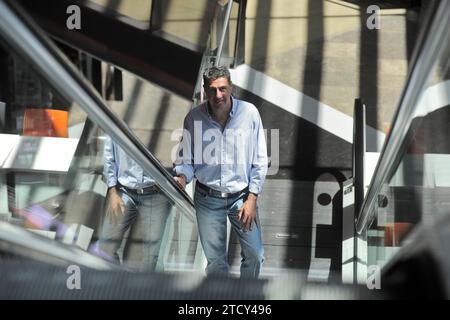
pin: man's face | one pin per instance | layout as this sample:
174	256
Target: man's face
218	93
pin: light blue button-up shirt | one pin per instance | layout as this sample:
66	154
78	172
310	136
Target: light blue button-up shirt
226	160
120	168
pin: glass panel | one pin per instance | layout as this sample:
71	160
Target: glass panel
55	169
219	22
188	19
419	188
139	10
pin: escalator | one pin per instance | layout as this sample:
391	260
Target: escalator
401	230
52	192
52	214
151	50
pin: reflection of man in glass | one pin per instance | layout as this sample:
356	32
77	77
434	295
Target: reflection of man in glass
134	202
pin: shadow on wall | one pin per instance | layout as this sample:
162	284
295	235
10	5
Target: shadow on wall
313	65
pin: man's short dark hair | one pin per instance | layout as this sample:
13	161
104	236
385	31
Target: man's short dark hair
216	72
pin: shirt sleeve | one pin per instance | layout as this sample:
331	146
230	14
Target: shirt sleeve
260	161
184	157
110	165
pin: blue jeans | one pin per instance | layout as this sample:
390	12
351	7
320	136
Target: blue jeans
212	216
146	214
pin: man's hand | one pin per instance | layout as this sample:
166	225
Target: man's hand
115	207
247	214
181	180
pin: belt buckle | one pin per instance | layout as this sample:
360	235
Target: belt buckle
224	195
140	190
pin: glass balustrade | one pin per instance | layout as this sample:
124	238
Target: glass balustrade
53	182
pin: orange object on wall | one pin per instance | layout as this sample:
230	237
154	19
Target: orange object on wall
45	123
395	232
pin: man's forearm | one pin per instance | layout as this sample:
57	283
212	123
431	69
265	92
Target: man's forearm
187	171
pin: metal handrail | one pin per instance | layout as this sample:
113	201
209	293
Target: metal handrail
426	56
18	240
358	151
34	45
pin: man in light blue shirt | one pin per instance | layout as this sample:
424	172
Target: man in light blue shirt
224	148
134	202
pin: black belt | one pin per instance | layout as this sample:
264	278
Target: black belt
146	190
218	194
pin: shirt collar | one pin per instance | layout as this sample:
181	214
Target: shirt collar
233	106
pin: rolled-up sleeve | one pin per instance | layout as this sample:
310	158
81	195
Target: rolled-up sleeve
260	161
110	165
184	158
